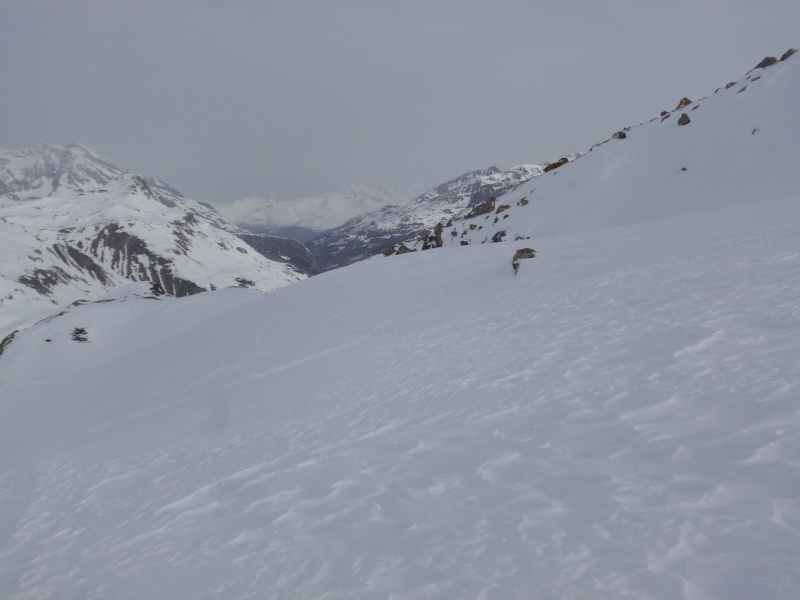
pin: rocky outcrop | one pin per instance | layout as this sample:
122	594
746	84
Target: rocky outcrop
521	254
498	237
683	103
483	208
684	119
559	163
282	250
767	62
414	222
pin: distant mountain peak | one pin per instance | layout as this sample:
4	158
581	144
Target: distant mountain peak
370	233
73	226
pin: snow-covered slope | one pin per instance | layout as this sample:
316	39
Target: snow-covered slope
370	233
73	226
312	213
740	146
618	420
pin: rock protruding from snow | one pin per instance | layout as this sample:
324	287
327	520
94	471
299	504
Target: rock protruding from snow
372	233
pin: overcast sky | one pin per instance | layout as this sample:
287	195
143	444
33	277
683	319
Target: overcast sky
232	98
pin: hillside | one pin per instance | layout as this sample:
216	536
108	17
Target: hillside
371	233
739	147
616	420
73	226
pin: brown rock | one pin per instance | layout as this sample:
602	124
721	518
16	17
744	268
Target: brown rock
787	54
682	103
559	163
521	254
482	208
767	62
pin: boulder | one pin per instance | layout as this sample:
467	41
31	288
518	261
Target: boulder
787	54
767	62
620	135
684	120
482	208
437	235
521	254
559	163
683	103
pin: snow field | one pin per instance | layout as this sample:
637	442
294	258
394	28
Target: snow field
618	420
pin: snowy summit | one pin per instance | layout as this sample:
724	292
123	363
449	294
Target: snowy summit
73	226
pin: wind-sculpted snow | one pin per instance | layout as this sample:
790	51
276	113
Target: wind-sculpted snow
617	420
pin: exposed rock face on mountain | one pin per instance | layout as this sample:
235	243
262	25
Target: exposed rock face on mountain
282	250
372	233
73	225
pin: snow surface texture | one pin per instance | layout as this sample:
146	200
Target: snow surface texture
73	226
617	420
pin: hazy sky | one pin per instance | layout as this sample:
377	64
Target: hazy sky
232	98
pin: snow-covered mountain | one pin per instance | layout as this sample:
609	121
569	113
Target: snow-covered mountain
738	145
370	233
617	420
307	217
73	226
